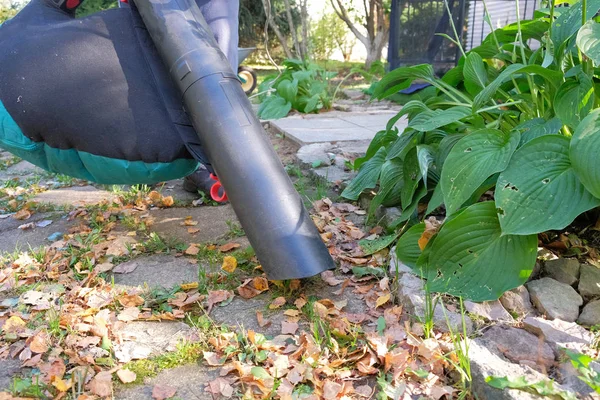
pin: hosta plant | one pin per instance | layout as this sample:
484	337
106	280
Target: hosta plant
517	119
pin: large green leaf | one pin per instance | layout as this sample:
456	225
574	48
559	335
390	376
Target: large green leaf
412	176
574	100
474	73
367	176
389	181
569	22
288	89
472	258
426	156
430	120
540	191
407	248
381	139
373	246
401	78
274	107
585	152
403	143
588	41
475	157
537	127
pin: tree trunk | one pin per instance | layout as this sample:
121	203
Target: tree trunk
305	32
273	25
288	11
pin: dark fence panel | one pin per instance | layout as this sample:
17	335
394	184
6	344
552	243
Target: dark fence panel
415	24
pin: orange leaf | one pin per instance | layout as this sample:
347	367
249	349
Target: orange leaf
162	392
126	376
277	303
383	299
192	250
101	384
131	300
228	247
39	344
261	320
22	214
193	231
168	201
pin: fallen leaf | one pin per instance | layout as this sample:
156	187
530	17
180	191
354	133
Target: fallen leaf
193	231
192	250
22	214
299	303
105	267
261	321
44	223
131	300
220	387
189	222
288	328
291	313
154	196
120	246
329	278
228	247
277	303
189	286
39	343
216	297
162	392
229	264
25	227
61	385
125	268
168	201
101	384
14	325
129	314
126	376
253	287
381	300
331	390
213	359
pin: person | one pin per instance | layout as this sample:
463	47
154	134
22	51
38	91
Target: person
90	97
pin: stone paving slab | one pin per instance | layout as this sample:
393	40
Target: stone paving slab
9	368
21	170
335	126
212	222
189	380
160	270
13	238
74	196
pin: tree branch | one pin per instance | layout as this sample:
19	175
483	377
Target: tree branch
273	25
343	14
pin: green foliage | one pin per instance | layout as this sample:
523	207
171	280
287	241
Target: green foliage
92	6
517	122
544	387
7	13
587	374
328	34
302	86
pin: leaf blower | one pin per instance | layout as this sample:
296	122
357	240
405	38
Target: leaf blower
140	95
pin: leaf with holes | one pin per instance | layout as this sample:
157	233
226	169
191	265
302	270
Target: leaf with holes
367	176
540	191
473	159
585	152
407	248
472	258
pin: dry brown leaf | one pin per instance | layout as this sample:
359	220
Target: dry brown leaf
253	287
192	250
101	384
329	278
228	247
39	343
168	201
104	267
14	325
126	376
220	387
261	320
261	283
120	246
216	297
131	300
189	221
291	313
22	215
331	390
162	392
213	359
154	196
288	328
229	264
277	303
300	302
193	231
129	314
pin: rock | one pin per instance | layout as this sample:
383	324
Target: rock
555	299
545	254
73	196
387	215
565	270
335	174
520	347
412	296
559	334
397	267
569	378
486	362
157	270
189	380
589	282
9	368
517	301
315	155
590	315
490	310
143	339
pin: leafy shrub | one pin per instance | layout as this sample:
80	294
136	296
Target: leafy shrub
302	86
512	118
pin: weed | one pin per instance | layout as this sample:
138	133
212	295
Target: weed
28	387
235	230
459	357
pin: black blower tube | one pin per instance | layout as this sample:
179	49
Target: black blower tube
270	210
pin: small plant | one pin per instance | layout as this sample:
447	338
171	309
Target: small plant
459	358
587	374
302	86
